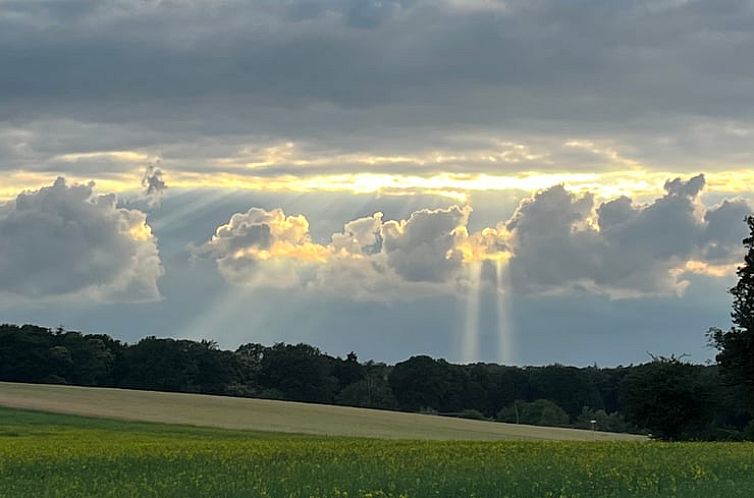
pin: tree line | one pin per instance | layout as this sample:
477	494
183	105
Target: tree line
667	396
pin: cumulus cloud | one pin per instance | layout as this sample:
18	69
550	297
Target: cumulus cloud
423	247
66	241
272	248
556	241
267	246
563	242
154	185
360	236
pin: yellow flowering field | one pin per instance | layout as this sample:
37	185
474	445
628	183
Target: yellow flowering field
45	455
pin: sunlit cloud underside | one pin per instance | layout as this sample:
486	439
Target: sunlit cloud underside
638	183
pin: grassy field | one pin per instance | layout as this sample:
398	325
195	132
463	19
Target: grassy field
269	415
49	455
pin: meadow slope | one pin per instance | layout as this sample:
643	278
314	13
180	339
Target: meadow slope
46	455
273	416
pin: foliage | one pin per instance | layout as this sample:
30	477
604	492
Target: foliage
312	380
472	414
371	392
603	421
671	398
538	412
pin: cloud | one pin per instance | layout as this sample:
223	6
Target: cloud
264	246
564	242
385	97
555	242
271	248
423	247
360	236
65	241
154	185
301	70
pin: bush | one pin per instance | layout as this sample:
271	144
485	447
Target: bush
539	412
607	422
472	414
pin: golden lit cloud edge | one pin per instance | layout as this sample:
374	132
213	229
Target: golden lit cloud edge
636	183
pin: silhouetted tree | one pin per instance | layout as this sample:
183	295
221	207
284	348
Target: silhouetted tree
423	382
300	373
671	398
347	371
178	365
25	354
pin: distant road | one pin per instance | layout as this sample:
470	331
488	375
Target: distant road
275	416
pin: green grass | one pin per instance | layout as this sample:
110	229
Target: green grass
46	455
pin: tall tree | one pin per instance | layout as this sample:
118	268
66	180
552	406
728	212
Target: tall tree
671	398
736	345
299	372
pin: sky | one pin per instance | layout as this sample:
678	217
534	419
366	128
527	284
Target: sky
525	182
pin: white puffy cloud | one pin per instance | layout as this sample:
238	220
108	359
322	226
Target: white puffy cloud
261	245
556	241
66	241
270	247
360	236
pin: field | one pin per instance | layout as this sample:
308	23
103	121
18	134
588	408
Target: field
50	455
269	415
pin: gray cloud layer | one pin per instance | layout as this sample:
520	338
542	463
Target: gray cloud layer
665	81
66	241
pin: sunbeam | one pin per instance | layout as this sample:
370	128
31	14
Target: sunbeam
224	312
194	202
470	338
506	342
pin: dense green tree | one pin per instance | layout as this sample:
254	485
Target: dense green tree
300	372
570	388
178	365
671	398
348	370
25	353
423	382
370	392
90	359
